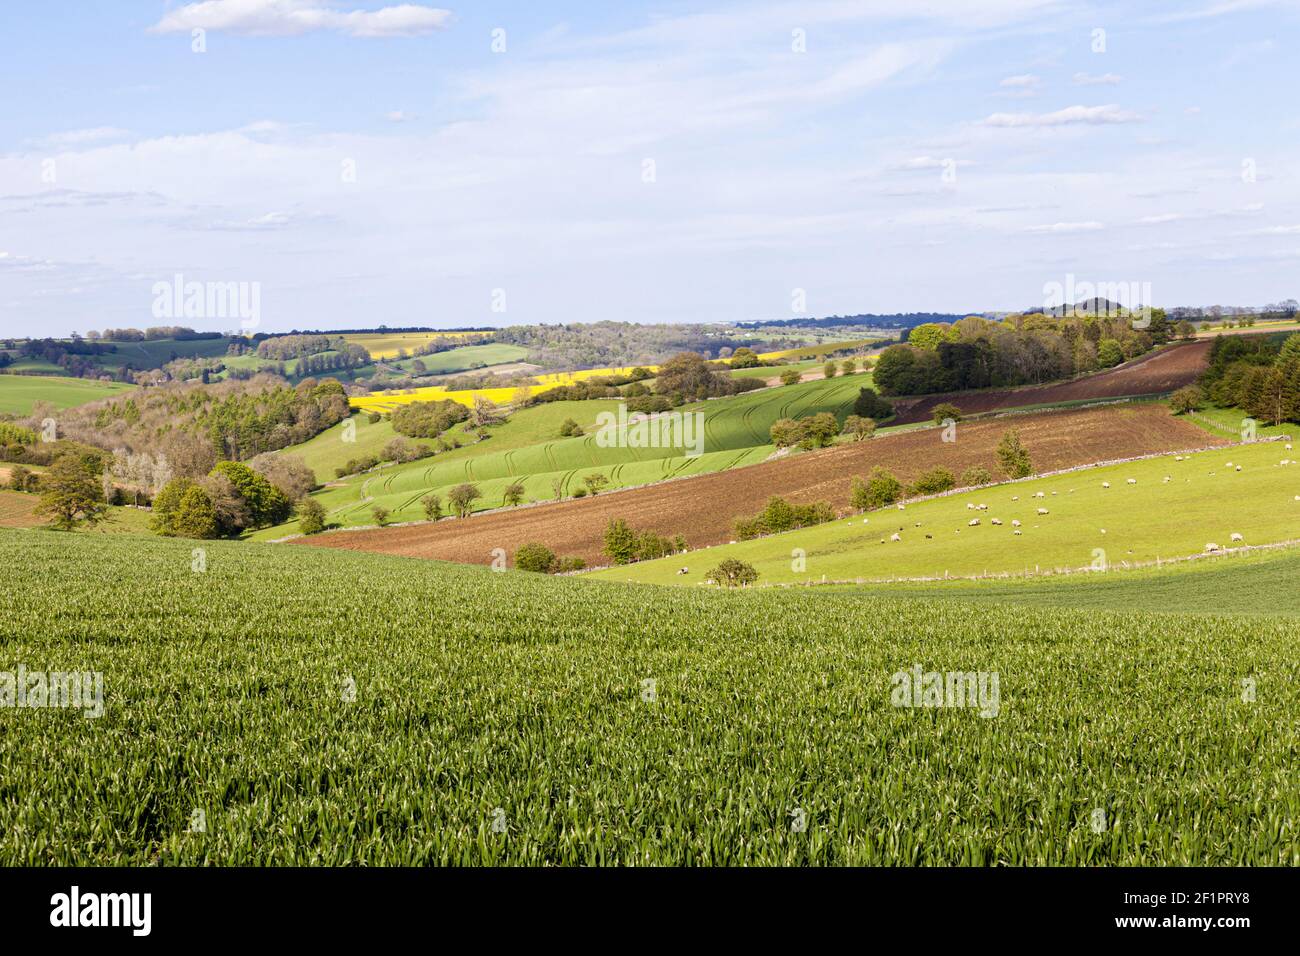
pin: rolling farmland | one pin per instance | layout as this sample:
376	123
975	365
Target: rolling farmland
1086	524
20	393
524	700
703	508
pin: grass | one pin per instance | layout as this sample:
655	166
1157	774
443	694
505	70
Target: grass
317	713
815	351
1242	583
157	353
20	393
1228	422
19	511
329	449
735	434
1206	501
465	358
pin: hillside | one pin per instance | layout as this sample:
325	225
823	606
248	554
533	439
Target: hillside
20	393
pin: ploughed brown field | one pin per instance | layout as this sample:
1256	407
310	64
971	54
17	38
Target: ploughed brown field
17	511
1153	374
703	508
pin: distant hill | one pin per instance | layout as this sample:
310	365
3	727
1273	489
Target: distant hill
894	320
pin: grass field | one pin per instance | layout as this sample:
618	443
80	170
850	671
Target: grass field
328	450
814	351
1206	501
19	511
382	345
157	353
316	712
465	359
735	434
19	393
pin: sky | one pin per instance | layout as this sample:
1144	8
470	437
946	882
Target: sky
359	163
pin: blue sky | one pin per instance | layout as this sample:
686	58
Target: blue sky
368	163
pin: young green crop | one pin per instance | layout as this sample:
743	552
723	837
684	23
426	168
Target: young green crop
329	708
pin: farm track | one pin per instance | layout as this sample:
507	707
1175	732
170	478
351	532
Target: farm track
1155	374
703	508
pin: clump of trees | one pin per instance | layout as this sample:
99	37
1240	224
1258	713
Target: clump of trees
626	545
1258	374
231	499
540	559
1013	457
879	489
428	419
732	573
811	431
779	515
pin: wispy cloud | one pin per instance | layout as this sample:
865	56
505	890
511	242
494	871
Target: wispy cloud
1071	115
296	17
1100	79
1063	228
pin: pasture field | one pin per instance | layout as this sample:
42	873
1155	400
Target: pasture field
20	393
465	358
19	511
317	713
1249	583
382	345
158	352
1229	422
327	450
735	434
1206	500
813	351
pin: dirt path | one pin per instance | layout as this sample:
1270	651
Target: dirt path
702	509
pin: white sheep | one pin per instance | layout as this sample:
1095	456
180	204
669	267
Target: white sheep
1105	484
1042	511
1239	468
996	521
1229	465
1015	522
983	507
1039	494
895	537
1211	547
1017	531
1015	497
1237	537
973	522
1132	481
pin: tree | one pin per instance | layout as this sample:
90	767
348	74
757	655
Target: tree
462	498
196	516
689	375
432	506
791	376
870	405
380	515
71	494
19	477
1189	398
818	430
849	366
745	358
733	574
513	494
570	429
620	542
289	473
1013	457
944	411
859	427
829	370
975	475
267	504
535	557
1186	331
311	516
881	488
786	432
1109	353
485	413
595	483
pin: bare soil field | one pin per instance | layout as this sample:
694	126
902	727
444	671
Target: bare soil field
703	508
17	511
1153	374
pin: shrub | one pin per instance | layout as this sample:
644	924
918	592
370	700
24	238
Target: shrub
829	370
870	405
1013	457
374	418
570	428
513	494
818	430
786	432
624	545
311	516
859	427
432	506
380	515
791	376
933	482
535	557
732	573
944	411
779	515
196	516
976	475
881	488
849	366
594	483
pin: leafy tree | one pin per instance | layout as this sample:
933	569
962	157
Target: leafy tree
569	428
535	557
733	574
513	494
196	516
311	516
791	376
944	411
1013	457
859	427
829	370
870	405
818	430
929	335
71	494
432	506
1189	398
380	515
745	358
849	366
1109	353
19	477
595	483
267	505
462	498
975	475
620	541
786	432
881	488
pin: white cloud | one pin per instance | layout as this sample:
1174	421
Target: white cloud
1099	79
1071	115
1062	228
1022	81
296	17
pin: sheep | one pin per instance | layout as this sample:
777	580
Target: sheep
683	570
996	521
970	506
900	507
895	537
1042	511
1017	531
1015	522
1239	468
983	507
1212	547
973	522
1288	446
1039	495
1167	479
1237	537
928	537
1105	484
1015	497
1228	465
1103	530
1132	481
